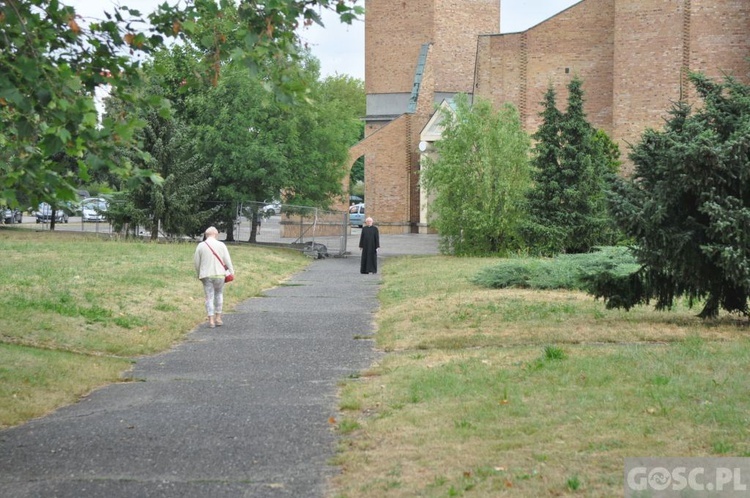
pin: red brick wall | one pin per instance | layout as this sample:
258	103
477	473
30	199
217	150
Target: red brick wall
394	32
396	29
387	185
577	42
720	37
647	66
457	23
630	55
519	67
500	69
657	42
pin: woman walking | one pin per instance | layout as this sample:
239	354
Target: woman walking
212	262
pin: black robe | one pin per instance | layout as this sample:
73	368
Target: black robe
369	242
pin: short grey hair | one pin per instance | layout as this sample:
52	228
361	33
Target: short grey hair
211	231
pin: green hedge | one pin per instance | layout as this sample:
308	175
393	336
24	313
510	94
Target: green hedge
613	267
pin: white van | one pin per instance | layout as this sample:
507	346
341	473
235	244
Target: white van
357	215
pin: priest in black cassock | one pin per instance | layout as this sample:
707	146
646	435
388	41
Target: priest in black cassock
369	242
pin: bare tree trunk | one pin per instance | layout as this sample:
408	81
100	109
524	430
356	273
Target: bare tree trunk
254	228
230	232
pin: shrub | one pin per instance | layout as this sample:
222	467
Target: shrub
585	272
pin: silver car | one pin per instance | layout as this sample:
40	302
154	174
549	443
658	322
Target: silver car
272	208
94	209
357	215
44	214
12	215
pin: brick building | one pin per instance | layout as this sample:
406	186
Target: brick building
632	55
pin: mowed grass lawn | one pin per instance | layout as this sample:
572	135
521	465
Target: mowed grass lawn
77	310
524	393
478	392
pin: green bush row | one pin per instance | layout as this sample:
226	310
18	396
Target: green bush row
613	266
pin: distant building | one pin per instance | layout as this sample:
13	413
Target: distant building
632	55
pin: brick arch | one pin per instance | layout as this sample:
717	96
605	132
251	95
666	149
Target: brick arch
387	164
355	152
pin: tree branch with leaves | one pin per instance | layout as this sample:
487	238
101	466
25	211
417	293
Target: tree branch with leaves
52	61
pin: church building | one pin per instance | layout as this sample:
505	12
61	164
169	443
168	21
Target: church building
633	57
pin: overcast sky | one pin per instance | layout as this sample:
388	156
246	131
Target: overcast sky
340	47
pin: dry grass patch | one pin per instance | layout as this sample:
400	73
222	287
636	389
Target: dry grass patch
431	303
35	381
97	297
94	295
522	393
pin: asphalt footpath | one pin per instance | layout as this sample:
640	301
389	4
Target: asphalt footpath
248	409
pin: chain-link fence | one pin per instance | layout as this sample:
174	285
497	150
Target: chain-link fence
65	220
315	231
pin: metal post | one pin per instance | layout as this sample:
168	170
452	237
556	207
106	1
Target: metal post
344	234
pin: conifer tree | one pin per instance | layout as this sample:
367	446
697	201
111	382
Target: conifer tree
573	166
542	233
687	207
175	205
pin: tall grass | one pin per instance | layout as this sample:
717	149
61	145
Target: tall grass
72	298
526	393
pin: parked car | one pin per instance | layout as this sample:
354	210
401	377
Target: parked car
357	215
94	209
272	208
12	215
44	214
